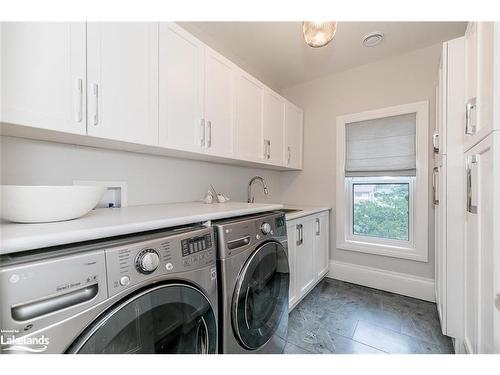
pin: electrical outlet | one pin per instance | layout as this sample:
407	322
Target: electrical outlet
115	195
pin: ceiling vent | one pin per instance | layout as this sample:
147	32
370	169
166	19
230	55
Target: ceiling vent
373	39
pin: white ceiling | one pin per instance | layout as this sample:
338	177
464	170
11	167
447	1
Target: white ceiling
276	53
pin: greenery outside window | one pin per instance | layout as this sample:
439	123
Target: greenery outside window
380	209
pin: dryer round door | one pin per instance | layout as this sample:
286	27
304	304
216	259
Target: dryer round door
260	300
171	318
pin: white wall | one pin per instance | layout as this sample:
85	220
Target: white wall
397	80
151	179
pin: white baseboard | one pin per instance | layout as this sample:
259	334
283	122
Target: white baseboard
400	283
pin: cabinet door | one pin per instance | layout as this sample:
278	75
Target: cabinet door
479	265
219	104
305	256
321	245
480	41
43	75
122	69
292	263
273	128
181	70
293	137
248	117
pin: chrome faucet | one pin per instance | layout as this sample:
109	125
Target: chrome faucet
256	178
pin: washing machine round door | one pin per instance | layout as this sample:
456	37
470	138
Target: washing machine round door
171	318
260	300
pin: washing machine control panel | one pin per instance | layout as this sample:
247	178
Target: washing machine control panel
181	251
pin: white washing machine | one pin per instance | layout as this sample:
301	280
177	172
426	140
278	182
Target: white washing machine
149	293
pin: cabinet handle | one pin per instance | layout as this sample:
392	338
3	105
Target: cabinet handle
79	98
435	198
470	208
269	149
317	227
265	148
300	237
470	129
209	129
289	155
435	142
95	90
202	138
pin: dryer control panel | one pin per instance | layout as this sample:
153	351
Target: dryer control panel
132	264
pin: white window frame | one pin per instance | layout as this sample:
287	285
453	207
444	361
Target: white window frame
417	247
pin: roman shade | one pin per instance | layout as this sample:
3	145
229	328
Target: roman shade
383	146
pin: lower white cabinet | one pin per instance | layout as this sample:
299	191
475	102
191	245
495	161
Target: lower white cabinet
308	253
482	247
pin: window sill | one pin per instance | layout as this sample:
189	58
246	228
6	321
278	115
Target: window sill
384	250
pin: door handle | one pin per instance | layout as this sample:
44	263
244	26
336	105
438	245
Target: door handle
470	129
36	309
79	99
209	130
435	142
470	207
317	227
435	198
202	138
95	89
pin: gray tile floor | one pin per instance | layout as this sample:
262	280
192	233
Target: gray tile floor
343	318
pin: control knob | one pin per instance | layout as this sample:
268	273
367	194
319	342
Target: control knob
265	228
147	261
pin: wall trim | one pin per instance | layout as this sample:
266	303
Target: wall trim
395	282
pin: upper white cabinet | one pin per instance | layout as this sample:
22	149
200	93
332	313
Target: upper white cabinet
293	136
249	96
219	104
482	48
122	81
43	75
273	122
151	86
181	77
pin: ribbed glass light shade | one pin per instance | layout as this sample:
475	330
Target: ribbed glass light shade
318	34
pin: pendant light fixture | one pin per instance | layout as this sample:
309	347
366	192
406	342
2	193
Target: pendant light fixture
318	34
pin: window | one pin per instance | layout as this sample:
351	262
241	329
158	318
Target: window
380	209
382	182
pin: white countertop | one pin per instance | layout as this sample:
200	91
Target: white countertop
303	211
109	222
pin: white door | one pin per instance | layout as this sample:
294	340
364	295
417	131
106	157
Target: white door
181	75
219	104
292	261
305	256
249	93
122	72
43	75
293	137
273	128
321	245
439	204
480	314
